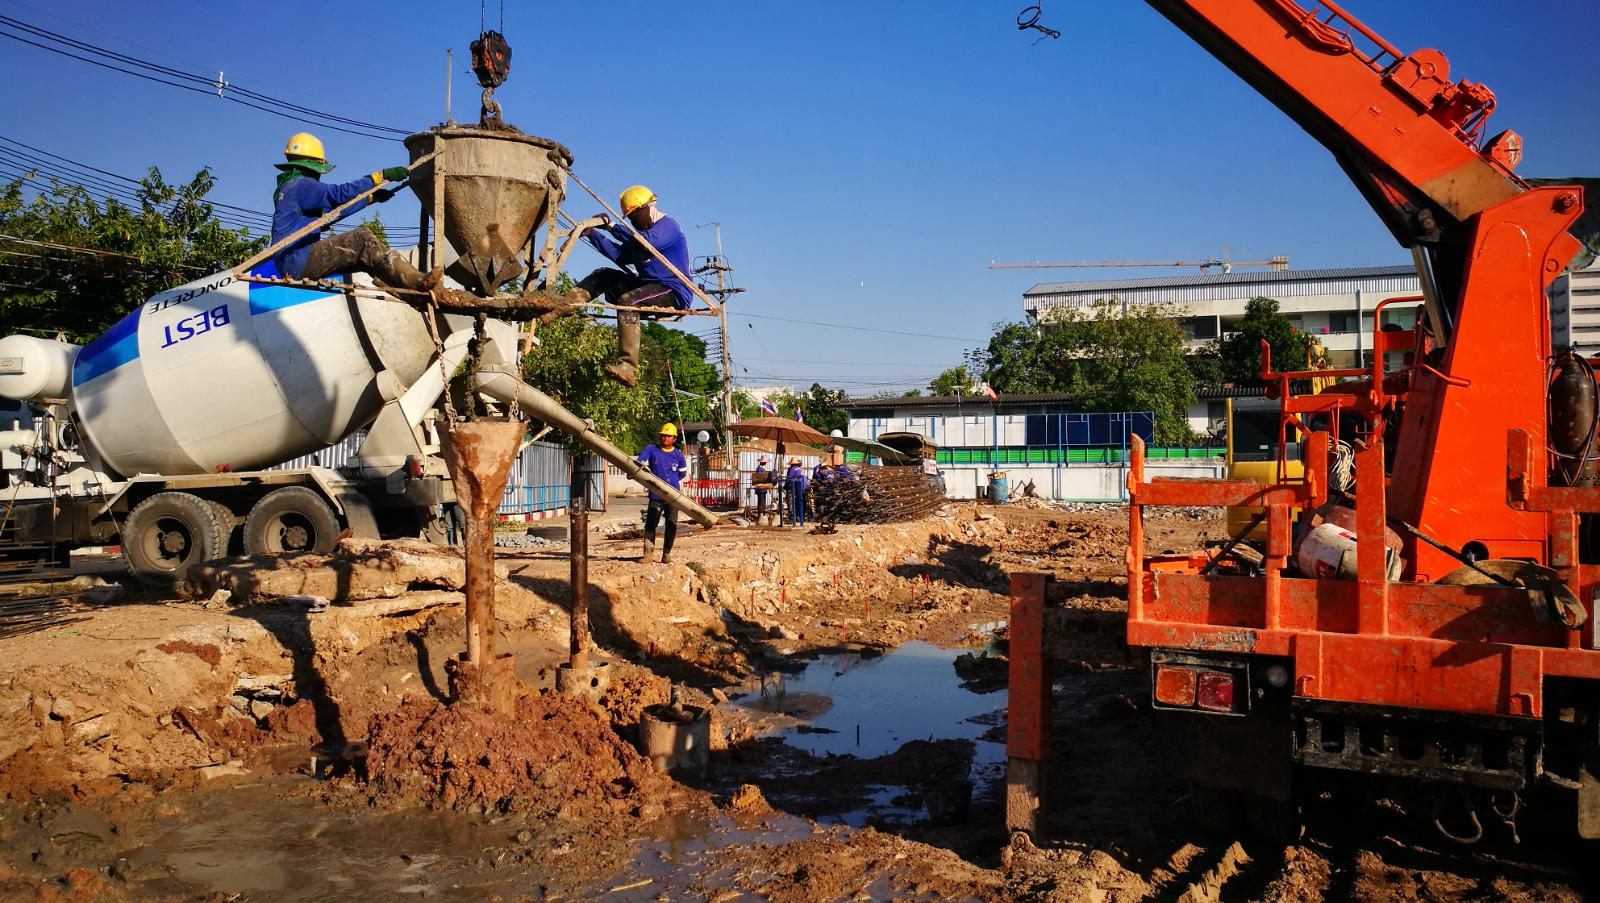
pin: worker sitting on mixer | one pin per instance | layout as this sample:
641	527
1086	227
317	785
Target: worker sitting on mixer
301	197
653	285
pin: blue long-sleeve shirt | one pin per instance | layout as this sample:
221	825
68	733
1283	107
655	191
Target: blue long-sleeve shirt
668	466
296	203
798	481
619	246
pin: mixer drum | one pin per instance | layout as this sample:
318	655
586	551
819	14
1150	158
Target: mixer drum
221	373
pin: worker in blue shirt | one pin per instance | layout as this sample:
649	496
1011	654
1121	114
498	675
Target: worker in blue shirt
669	465
798	484
301	197
761	486
647	284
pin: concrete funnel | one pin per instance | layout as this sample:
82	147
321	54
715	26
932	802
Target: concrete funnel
499	186
479	454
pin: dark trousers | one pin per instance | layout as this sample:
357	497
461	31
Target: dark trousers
653	513
797	504
624	289
356	250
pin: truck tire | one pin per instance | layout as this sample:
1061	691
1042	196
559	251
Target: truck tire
291	519
170	532
229	525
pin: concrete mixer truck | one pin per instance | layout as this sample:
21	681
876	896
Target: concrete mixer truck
157	433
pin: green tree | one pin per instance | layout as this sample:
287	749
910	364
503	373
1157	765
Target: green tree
821	407
374	224
954	381
567	365
75	265
696	379
1240	349
1109	358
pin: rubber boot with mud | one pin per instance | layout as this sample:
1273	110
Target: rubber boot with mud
626	368
666	557
398	272
649	551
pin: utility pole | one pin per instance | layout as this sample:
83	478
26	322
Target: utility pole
719	266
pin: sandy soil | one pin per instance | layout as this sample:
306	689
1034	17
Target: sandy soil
191	749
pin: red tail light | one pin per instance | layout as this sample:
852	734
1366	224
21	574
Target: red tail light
1175	686
1215	692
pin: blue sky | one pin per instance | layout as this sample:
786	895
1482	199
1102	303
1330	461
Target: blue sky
866	161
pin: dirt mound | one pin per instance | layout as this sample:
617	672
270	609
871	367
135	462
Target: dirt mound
553	757
863	865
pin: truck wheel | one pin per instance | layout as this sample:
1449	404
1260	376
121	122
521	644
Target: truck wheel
228	525
291	519
170	532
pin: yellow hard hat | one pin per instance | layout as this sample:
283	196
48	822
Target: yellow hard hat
668	429
304	151
305	144
634	198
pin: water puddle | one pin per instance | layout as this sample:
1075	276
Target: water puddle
869	706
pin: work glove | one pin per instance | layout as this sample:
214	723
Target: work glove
605	221
395	173
382	194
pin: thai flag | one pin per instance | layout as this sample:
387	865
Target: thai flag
768	407
800	415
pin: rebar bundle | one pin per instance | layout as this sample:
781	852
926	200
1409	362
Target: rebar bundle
29	614
878	495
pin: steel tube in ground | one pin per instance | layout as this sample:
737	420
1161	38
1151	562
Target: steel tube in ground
506	388
578	551
479	454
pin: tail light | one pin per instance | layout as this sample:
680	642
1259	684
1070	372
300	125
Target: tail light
1175	686
1215	692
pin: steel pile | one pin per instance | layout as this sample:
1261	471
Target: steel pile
878	495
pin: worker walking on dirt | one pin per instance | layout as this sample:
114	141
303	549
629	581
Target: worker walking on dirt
301	198
648	284
669	465
797	485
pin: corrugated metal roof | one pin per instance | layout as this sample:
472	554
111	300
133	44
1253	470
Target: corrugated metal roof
1196	288
1090	285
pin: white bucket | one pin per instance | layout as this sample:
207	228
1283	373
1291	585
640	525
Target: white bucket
1329	550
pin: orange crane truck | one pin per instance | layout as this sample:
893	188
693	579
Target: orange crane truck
1428	625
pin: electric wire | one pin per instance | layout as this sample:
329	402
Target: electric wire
200	84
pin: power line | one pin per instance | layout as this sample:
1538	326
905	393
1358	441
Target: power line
199	84
920	335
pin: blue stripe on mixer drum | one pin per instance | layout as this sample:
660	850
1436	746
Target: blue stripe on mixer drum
117	346
267	298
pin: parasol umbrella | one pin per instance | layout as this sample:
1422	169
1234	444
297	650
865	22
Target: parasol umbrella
873	450
779	429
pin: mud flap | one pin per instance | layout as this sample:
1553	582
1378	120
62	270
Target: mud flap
1589	796
1250	754
358	515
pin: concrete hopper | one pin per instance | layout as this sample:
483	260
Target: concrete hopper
499	187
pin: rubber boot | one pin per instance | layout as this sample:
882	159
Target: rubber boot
626	369
398	272
649	551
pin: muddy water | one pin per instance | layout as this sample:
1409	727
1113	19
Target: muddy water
866	706
861	706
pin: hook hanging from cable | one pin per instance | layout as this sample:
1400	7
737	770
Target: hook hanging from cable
1029	18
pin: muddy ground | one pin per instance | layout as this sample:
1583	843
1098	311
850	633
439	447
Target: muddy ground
245	746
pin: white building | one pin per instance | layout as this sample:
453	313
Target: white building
1335	305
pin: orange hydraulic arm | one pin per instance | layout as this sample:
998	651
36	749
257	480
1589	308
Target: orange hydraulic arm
1486	247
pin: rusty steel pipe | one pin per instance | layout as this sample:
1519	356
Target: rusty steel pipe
503	386
479	454
578	552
